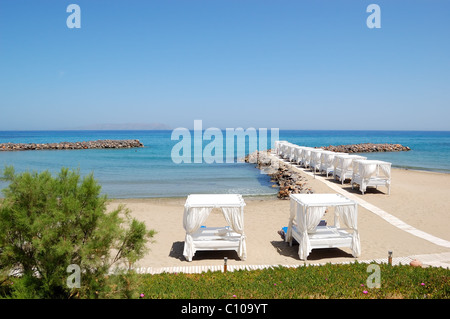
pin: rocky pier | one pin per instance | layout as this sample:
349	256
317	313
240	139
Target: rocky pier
282	175
114	144
367	148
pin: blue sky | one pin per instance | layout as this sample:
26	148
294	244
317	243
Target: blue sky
231	63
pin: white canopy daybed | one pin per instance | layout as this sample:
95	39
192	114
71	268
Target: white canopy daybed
371	173
306	210
197	209
278	146
285	149
343	166
290	151
306	155
296	153
327	162
316	159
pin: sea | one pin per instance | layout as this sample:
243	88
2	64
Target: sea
153	171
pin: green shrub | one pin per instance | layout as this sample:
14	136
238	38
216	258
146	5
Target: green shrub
48	223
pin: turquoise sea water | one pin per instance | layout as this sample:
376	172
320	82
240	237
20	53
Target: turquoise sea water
150	171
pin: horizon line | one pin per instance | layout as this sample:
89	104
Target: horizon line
223	129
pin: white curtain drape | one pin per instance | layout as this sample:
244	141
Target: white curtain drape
291	221
386	169
367	170
346	164
307	223
297	156
193	218
291	152
283	150
315	158
337	222
234	217
356	167
349	217
277	147
306	158
302	156
326	161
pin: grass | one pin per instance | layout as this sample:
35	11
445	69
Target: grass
323	282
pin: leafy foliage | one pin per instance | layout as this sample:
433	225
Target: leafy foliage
48	223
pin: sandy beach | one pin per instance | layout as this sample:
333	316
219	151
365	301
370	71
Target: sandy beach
418	198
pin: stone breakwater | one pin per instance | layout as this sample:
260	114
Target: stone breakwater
282	175
367	148
71	145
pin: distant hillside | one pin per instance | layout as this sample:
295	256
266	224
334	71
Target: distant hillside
125	126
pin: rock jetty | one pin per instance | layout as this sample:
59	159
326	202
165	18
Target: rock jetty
71	145
367	148
282	175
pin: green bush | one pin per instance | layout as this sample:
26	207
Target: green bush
48	223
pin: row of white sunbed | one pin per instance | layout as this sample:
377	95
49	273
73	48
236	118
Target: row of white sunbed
357	168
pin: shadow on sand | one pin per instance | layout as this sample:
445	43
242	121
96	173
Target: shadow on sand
284	249
176	251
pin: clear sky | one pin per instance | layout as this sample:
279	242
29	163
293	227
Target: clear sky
287	64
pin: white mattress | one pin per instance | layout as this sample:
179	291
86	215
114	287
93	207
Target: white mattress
326	237
213	238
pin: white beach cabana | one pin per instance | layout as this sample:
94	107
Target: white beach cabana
295	153
306	211
278	146
343	166
291	152
287	150
316	159
306	156
284	149
197	209
327	162
371	173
